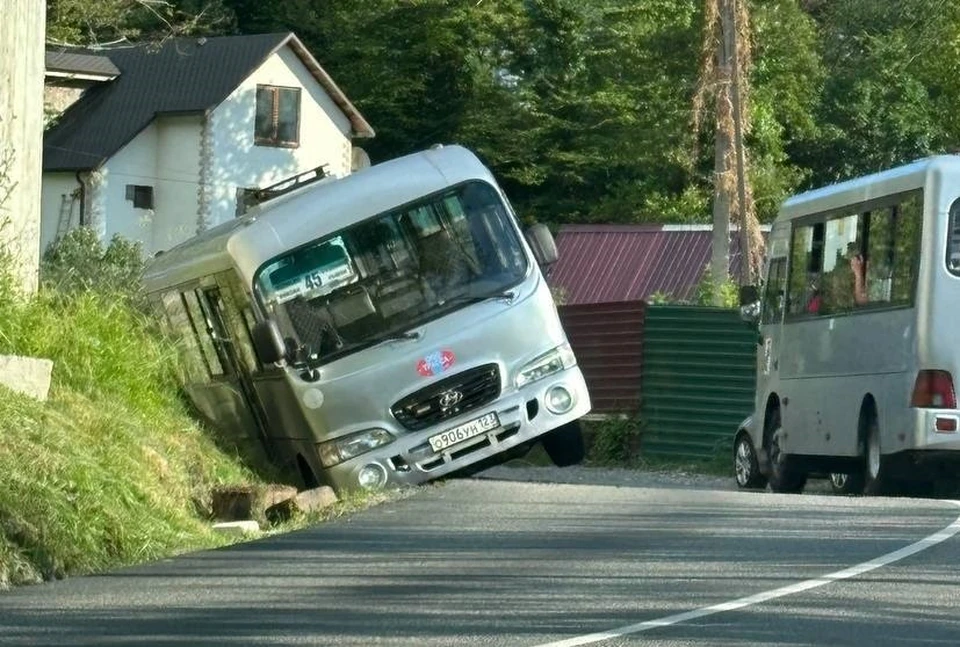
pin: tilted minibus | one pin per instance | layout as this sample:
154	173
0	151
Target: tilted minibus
377	330
858	346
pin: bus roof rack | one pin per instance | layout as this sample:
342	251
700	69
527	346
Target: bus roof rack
288	184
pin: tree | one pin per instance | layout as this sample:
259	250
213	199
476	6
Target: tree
99	22
724	84
894	83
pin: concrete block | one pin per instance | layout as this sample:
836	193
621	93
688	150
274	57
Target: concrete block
26	375
237	528
305	502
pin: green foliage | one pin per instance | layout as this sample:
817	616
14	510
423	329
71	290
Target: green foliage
583	109
614	441
93	22
78	263
708	292
894	77
101	346
90	483
724	293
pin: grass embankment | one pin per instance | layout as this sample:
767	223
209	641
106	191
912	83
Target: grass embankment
111	470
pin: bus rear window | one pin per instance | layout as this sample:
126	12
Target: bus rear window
953	239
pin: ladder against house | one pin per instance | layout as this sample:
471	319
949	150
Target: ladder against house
67	203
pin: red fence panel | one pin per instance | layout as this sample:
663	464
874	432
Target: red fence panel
607	339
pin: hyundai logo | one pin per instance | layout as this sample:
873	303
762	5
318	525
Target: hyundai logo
450	399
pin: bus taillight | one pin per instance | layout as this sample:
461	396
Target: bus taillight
934	390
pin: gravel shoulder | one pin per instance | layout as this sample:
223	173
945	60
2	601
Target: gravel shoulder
609	476
673	478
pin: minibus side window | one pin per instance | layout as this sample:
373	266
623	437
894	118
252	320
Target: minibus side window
880	254
806	253
203	329
953	239
188	338
842	244
774	292
231	298
907	225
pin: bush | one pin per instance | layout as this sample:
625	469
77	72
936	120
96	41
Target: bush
78	262
615	441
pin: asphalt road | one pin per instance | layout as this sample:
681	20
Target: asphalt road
489	562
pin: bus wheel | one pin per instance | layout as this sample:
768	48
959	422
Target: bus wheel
875	481
783	477
745	465
564	445
846	483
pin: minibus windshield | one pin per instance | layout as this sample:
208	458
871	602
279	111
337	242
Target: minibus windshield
381	277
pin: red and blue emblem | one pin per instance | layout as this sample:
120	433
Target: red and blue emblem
436	363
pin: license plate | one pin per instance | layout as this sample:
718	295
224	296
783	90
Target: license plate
464	432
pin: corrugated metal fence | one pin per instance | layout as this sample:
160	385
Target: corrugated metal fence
698	380
607	339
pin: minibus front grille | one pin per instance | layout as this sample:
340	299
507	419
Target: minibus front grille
449	397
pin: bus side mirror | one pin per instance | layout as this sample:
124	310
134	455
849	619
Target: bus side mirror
268	342
541	242
749	303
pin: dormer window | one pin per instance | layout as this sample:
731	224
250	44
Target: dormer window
278	116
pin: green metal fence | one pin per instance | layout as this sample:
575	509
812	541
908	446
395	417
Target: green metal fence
698	379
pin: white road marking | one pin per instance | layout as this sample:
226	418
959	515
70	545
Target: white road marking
766	596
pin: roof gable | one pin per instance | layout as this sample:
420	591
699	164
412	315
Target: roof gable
607	263
67	64
181	76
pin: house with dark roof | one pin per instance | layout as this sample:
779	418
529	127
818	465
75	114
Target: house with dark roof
166	141
610	263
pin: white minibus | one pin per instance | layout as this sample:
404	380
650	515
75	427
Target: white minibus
858	344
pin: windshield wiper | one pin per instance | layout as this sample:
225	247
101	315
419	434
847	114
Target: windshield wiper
411	335
507	297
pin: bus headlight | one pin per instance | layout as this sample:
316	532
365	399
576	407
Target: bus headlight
549	363
338	450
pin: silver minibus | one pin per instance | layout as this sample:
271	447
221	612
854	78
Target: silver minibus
858	346
378	330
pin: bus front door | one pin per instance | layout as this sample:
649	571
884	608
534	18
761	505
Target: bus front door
231	339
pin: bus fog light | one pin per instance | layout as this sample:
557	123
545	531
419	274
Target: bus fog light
559	400
372	476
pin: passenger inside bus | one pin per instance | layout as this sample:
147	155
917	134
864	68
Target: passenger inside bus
843	287
443	263
858	266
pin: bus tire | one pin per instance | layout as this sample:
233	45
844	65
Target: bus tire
564	445
745	464
784	478
876	482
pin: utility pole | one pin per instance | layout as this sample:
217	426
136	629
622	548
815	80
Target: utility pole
22	32
720	261
746	256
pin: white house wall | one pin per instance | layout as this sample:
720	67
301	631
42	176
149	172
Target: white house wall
110	211
57	194
164	156
177	189
238	163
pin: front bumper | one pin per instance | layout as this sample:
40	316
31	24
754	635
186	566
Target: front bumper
523	415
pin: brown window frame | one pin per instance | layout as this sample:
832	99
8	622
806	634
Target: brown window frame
274	139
